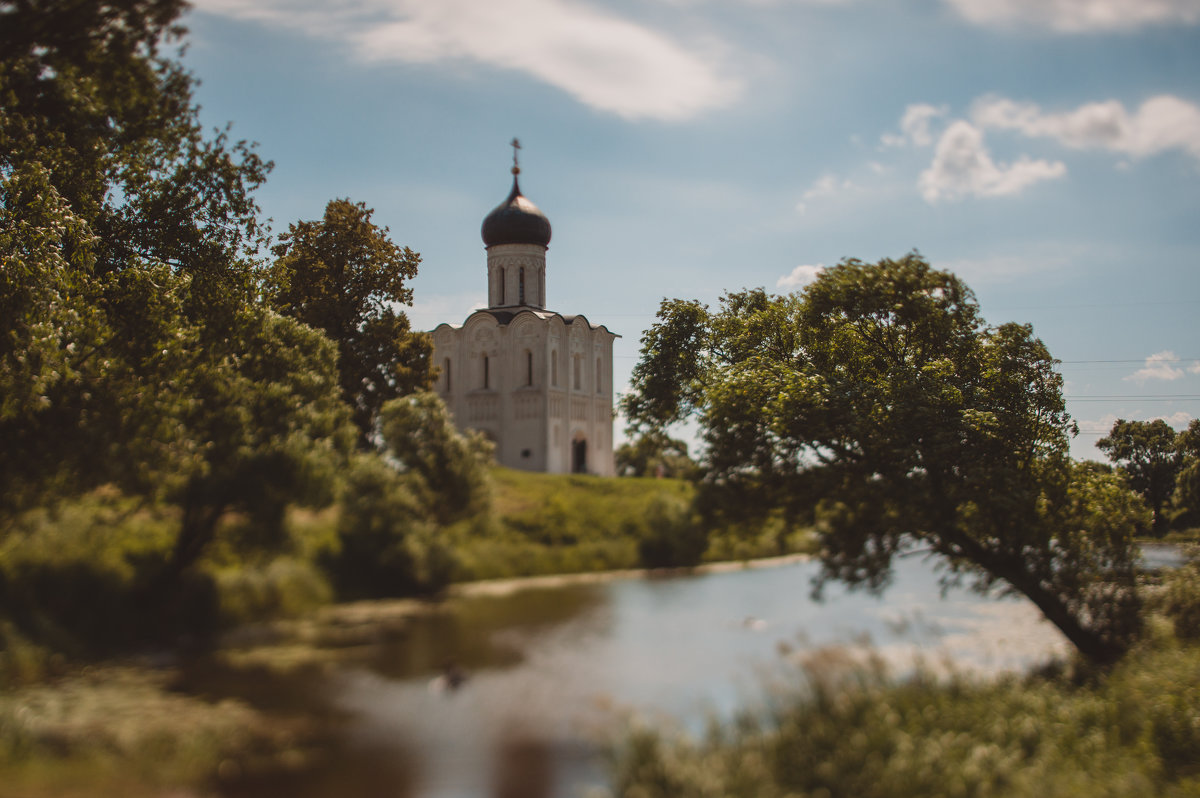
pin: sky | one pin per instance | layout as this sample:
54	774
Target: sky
1046	151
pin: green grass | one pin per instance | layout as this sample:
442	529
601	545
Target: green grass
556	523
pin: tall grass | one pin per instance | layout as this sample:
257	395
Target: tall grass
853	729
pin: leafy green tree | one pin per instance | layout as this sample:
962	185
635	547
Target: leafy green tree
655	454
343	275
448	469
126	236
880	404
135	352
1187	485
1146	453
89	95
265	430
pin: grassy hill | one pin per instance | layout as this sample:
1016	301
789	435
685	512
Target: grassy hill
558	523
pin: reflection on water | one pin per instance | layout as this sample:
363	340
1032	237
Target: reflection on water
550	672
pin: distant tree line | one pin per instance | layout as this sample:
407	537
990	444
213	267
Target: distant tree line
1162	466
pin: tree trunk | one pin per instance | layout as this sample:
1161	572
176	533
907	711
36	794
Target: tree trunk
1088	642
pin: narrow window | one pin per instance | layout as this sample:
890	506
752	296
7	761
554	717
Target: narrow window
486	382
528	367
554	367
578	362
521	285
599	382
446	369
501	302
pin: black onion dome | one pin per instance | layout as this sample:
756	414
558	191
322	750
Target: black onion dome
516	221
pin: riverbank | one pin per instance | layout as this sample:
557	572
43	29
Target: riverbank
215	723
132	728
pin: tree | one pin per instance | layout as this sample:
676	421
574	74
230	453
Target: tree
878	404
265	429
344	276
1146	453
1187	484
127	238
135	351
447	469
655	454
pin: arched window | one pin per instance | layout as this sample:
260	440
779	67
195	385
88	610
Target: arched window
599	382
501	302
486	375
554	367
521	285
528	367
446	371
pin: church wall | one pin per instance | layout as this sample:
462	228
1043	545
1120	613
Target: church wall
534	426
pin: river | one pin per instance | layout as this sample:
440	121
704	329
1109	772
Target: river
549	674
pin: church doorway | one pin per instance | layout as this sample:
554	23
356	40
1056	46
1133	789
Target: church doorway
579	456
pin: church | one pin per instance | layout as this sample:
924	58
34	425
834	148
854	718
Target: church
535	382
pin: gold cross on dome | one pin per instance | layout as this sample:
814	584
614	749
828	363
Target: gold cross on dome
516	145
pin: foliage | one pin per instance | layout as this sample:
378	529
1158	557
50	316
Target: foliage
669	535
136	354
89	96
448	469
654	454
1187	485
1180	599
285	587
344	276
270	430
880	398
387	544
1147	455
850	729
70	577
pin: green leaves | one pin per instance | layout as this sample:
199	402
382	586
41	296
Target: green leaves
344	276
1151	457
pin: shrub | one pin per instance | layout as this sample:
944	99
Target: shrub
1181	599
285	588
386	544
669	535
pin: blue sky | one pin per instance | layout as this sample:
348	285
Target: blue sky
1047	151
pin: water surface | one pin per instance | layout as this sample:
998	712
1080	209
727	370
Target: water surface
551	673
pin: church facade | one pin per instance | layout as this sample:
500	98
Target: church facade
537	383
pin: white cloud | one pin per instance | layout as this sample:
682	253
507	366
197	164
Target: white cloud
823	187
602	60
800	276
1078	16
963	167
1161	123
915	126
1159	366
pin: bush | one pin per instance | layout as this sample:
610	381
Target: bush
1181	599
669	535
72	577
285	588
386	544
851	730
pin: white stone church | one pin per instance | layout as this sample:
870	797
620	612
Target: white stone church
536	382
